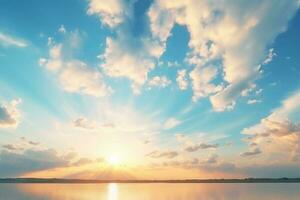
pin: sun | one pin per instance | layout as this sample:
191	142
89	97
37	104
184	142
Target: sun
113	160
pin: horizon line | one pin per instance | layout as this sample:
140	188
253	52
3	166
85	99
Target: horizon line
219	180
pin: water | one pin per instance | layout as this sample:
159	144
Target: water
151	191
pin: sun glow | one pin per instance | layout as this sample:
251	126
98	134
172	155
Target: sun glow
113	160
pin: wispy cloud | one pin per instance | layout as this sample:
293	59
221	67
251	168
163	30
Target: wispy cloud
162	154
171	123
196	147
8	40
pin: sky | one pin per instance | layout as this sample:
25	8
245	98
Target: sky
149	89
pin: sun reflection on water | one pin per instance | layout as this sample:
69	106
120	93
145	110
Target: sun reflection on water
112	191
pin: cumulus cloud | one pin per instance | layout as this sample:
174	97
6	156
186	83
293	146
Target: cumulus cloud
278	133
128	54
159	81
74	75
252	24
171	123
201	82
78	77
182	79
14	164
7	40
196	147
9	114
110	12
162	154
123	59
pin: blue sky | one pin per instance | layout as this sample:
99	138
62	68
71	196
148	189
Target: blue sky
207	86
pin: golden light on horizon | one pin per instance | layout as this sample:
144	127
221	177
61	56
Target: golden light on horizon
113	159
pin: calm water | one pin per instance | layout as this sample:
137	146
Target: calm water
158	191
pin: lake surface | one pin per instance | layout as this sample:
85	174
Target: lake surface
152	191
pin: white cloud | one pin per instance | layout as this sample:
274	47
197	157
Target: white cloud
171	123
74	75
270	56
78	77
9	114
120	59
235	33
202	85
55	61
62	29
118	63
253	101
110	12
126	54
7	40
182	79
159	81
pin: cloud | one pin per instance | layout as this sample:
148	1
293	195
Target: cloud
7	40
278	133
196	147
271	170
78	77
111	12
207	165
14	164
62	29
253	101
159	81
30	142
201	82
129	54
9	114
11	147
83	123
253	152
171	123
123	59
182	79
254	25
82	161
162	154
74	75
212	159
270	56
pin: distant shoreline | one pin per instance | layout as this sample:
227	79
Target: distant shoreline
83	181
